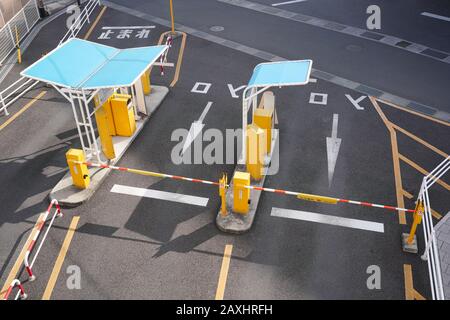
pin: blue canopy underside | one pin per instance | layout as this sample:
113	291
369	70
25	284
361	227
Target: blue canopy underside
284	73
81	64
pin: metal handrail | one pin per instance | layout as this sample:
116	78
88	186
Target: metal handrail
9	95
79	21
39	226
431	253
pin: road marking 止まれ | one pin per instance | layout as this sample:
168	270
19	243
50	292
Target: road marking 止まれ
327	219
161	195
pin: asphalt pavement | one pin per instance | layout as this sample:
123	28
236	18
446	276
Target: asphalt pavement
131	247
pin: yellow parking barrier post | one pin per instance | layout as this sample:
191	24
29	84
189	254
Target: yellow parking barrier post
78	170
241	194
19	53
256	151
123	114
417	219
145	80
104	133
223	185
263	118
409	241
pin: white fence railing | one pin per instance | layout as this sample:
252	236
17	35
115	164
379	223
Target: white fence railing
23	21
16	90
80	21
431	253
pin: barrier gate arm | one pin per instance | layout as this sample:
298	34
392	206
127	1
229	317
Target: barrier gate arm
221	184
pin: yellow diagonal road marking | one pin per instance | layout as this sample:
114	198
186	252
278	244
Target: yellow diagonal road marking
25	108
60	260
88	34
224	272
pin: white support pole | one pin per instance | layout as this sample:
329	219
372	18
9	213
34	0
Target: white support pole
91	128
74	109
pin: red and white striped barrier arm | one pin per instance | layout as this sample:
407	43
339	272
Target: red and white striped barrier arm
15	283
149	173
163	58
303	196
39	226
331	200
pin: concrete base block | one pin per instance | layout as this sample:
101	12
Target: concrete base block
70	196
237	223
411	248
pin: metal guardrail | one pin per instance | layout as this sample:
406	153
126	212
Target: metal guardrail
9	95
39	226
21	294
80	21
431	253
24	20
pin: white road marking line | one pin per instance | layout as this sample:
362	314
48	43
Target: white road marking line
196	128
436	16
356	102
128	27
287	2
333	146
327	219
161	195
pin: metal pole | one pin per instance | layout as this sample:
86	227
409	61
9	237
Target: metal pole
171	17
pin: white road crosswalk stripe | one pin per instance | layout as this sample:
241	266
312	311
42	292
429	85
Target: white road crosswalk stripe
327	219
161	195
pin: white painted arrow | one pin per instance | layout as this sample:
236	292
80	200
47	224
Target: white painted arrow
196	128
333	145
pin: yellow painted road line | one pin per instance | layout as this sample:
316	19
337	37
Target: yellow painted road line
422	170
409	288
436	214
414	112
419	140
407	194
60	260
180	60
418	296
19	262
395	159
88	34
25	108
224	272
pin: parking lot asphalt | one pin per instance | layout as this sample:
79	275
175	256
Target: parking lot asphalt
130	247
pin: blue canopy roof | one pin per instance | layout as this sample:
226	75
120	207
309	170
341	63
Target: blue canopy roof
81	64
282	73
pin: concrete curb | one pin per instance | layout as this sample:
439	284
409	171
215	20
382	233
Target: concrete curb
235	222
68	195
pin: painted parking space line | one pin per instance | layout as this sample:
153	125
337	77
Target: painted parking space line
224	272
287	2
327	219
24	108
435	16
161	195
60	260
